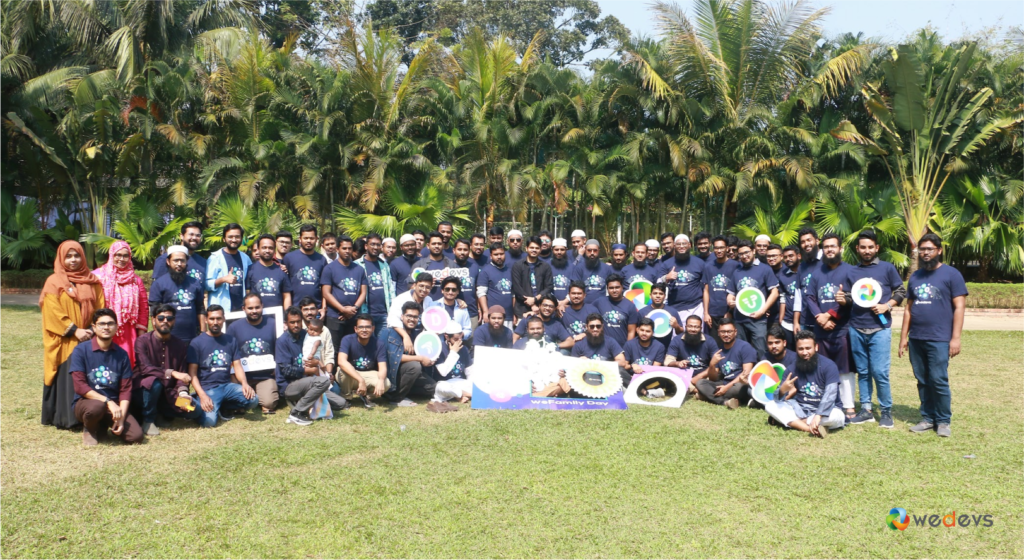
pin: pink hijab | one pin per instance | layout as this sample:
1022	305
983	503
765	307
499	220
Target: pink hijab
121	288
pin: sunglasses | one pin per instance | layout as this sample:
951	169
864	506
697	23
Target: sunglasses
163	318
450	290
595	327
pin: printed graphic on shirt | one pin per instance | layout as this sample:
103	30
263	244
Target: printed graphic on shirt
923	293
595	281
720	281
642	361
307	275
695	362
375	279
504	284
685	277
237	272
362	363
578	327
184	297
349	284
100	377
561	281
827	293
727	367
195	273
217	358
811	389
747	282
266	285
613	317
254	347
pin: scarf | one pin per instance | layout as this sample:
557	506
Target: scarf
120	288
64	280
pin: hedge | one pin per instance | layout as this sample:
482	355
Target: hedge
34	279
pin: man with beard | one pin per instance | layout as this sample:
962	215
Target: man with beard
871	329
534	332
652	253
684	276
574	317
931	331
309	312
832	317
668	249
493	333
181	291
561	273
328	245
619	313
477	246
718	287
226	270
753	274
380	287
462	252
702	241
578	238
729	369
553	327
531	280
810	257
255	337
298	375
592	272
418	294
343	285
494	287
790	299
402	266
596	346
777	351
434	261
659	293
545	246
191	239
515	251
389	249
761	243
638	269
407	373
306	266
692	350
216	371
643	350
806	401
160	374
495	235
451	289
360	374
618	261
773	258
266	278
446	230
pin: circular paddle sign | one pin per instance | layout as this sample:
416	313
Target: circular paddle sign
764	382
866	292
639	293
662	322
435	319
427	344
749	301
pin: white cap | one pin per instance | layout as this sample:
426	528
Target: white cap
405	238
515	232
652	244
560	242
177	249
762	237
578	233
386	239
452	328
682	237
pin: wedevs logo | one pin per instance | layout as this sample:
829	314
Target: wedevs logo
899	519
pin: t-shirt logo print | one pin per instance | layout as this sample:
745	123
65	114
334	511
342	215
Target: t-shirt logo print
611	317
642	361
811	389
375	279
266	285
193	273
695	362
456	369
720	281
237	273
100	377
217	358
728	367
595	281
561	280
362	363
577	327
307	274
747	282
504	284
254	346
349	284
184	297
924	292
828	291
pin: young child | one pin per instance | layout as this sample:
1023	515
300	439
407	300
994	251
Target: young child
311	346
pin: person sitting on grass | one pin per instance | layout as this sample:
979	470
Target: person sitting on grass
298	374
777	351
729	369
597	346
692	350
216	371
536	335
643	351
806	401
102	375
408	373
160	374
451	368
361	375
493	334
553	327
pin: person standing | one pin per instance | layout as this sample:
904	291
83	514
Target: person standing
683	274
477	246
619	314
810	259
531	280
380	287
702	242
718	286
561	272
226	269
124	292
467	280
832	318
389	249
182	292
66	303
515	252
344	290
306	266
592	272
436	262
328	245
494	287
266	278
790	300
191	239
932	325
639	270
445	229
754	274
283	240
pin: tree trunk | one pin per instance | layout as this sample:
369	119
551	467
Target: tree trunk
682	209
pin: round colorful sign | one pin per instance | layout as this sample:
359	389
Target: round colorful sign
749	301
764	382
639	293
434	319
427	344
866	292
662	322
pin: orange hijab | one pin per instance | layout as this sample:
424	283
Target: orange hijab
62	279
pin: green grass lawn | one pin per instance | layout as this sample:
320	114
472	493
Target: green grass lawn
648	482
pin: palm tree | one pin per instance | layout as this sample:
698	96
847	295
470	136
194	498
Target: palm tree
983	220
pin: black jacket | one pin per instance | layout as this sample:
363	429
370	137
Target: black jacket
521	288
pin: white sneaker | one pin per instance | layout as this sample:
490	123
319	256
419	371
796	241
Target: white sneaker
405	402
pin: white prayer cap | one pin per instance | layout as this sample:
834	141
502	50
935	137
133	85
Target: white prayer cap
452	328
177	249
515	233
763	237
405	238
391	239
652	244
578	233
560	242
682	237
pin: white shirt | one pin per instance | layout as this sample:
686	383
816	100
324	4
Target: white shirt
395	312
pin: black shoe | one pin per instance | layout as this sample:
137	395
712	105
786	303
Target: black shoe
886	420
863	417
298	418
231	414
367	402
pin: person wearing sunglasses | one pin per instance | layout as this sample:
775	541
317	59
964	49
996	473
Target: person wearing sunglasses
451	287
597	346
161	375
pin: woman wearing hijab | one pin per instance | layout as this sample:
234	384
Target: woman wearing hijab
124	292
69	297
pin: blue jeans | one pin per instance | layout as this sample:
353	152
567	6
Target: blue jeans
226	395
379	322
930	361
754	333
872	355
148	401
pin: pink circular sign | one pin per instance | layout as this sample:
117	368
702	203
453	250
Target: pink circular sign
434	319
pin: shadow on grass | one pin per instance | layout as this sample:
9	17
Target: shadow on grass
906	413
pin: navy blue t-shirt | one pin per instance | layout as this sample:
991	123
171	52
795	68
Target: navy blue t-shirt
718	277
255	340
810	388
429	265
468	292
576	321
734	358
636	354
760	276
931	316
511	259
363	358
687	291
187	300
458	371
553	329
236	290
401	268
561	276
214	356
886	275
304	273
617	317
345	282
482	336
375	287
804	272
822	288
104	370
789	282
636	272
499	286
449	252
270	282
788	360
593	278
667	339
196	267
605	351
699	356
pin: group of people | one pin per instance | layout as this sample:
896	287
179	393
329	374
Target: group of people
352	312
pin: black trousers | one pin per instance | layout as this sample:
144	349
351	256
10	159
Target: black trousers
339	329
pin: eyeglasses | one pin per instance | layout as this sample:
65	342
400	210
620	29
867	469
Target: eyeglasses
363	327
106	324
163	318
411	316
595	327
121	257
